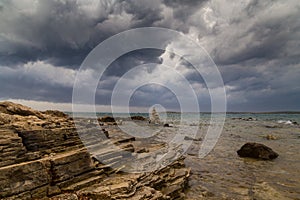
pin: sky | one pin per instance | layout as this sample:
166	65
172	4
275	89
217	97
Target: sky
254	44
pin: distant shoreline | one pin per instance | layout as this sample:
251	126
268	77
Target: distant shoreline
273	112
170	112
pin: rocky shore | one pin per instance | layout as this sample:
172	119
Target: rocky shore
48	155
43	157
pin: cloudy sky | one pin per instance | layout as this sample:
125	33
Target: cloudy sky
255	45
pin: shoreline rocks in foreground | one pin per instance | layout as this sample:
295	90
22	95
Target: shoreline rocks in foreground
42	157
258	151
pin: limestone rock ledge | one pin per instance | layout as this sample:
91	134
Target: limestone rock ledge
42	157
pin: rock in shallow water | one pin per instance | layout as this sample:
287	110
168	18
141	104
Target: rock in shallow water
271	137
192	138
140	118
256	150
106	119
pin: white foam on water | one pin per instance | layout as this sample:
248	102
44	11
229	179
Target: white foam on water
288	122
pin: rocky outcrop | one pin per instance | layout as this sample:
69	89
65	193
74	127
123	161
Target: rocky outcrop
18	109
35	178
11	148
140	118
159	185
106	119
42	156
256	150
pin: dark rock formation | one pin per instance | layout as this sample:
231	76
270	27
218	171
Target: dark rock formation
106	119
245	119
140	118
256	150
190	138
166	125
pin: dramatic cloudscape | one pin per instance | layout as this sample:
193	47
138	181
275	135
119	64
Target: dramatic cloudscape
255	45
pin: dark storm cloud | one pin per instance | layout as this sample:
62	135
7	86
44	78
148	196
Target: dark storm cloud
144	96
162	96
14	87
263	86
64	32
267	30
184	9
133	59
55	31
141	9
254	43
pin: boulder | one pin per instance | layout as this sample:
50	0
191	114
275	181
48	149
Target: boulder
168	125
140	118
191	138
256	150
106	119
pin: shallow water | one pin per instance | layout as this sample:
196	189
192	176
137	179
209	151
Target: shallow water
224	175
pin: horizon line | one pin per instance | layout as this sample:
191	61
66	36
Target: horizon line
206	112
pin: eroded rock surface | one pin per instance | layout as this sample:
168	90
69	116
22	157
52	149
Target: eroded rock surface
43	157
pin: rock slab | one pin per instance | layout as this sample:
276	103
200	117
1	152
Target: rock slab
42	157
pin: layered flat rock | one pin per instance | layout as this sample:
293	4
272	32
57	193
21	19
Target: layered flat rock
42	156
18	109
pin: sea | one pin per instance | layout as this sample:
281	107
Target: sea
190	118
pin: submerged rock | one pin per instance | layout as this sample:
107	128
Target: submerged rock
256	150
191	138
272	126
270	137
